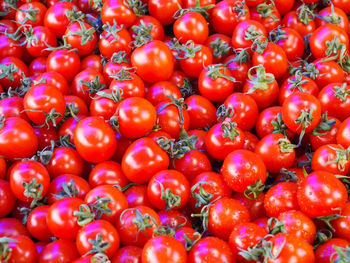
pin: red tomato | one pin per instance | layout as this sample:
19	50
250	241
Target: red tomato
22	249
108	172
59	251
7	198
130	254
191	26
37	225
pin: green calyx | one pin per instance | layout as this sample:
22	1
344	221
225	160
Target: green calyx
261	79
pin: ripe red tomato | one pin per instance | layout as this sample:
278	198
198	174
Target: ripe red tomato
59	251
37	225
108	172
22	249
7	198
191	26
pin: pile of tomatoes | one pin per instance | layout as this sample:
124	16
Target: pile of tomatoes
174	131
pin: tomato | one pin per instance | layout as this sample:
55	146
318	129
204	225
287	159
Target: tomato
155	31
242	168
37	66
164	248
276	151
161	91
164	10
108	172
67	185
143	159
128	85
64	62
343	133
13	69
245	33
284	6
325	136
327	72
116	202
137	196
324	253
3	167
30	14
29	180
201	111
220	46
322	39
59	251
255	206
289	248
157	54
174	219
243	236
226	14
36	223
136	225
267	14
280	198
118	11
92	62
187	236
22	249
191	26
17	138
61	219
298	224
223	138
332	158
12	227
13	107
239	68
136	117
313	194
101	232
41	38
114	39
130	254
210	250
341	225
244	110
215	83
168	189
302	26
224	215
7	198
94	139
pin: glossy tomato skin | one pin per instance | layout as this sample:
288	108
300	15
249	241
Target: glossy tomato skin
7	198
341	225
299	225
28	171
61	219
280	198
168	180
108	172
160	92
101	228
129	254
320	193
343	135
328	72
17	139
291	20
137	196
212	249
293	44
325	137
242	168
324	253
224	215
191	26
59	251
164	10
13	107
110	44
95	140
238	35
157	54
116	10
23	250
12	227
255	206
143	159
20	68
164	249
201	111
37	225
55	79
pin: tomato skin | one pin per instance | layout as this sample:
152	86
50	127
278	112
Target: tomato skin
137	196
164	249
129	254
273	58
255	207
61	219
291	20
118	202
95	140
109	44
174	219
64	62
164	10
328	138
23	250
328	72
294	250
7	198
243	236
157	54
191	26
280	198
201	111
17	139
314	196
272	153
242	168
160	91
324	252
224	215
38	18
105	230
341	225
130	233
245	110
268	22
212	249
108	172
20	68
238	69
59	251
343	135
143	159
218	145
3	167
118	11
26	171
224	18
136	117
10	47
10	227
238	39
36	223
173	180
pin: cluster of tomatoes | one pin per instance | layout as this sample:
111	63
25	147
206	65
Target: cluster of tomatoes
173	131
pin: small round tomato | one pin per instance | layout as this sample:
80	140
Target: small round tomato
201	111
342	224
37	225
326	252
191	26
137	195
22	250
59	251
108	172
130	254
343	137
7	198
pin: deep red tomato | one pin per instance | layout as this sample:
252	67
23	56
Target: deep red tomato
95	140
12	227
17	138
129	254
220	46
267	14
37	225
343	137
13	107
55	79
14	70
255	206
137	195
201	111
326	252
160	92
22	249
174	219
59	251
191	26
323	136
341	225
7	198
108	172
242	168
314	196
118	11
327	72
302	26
37	66
37	11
